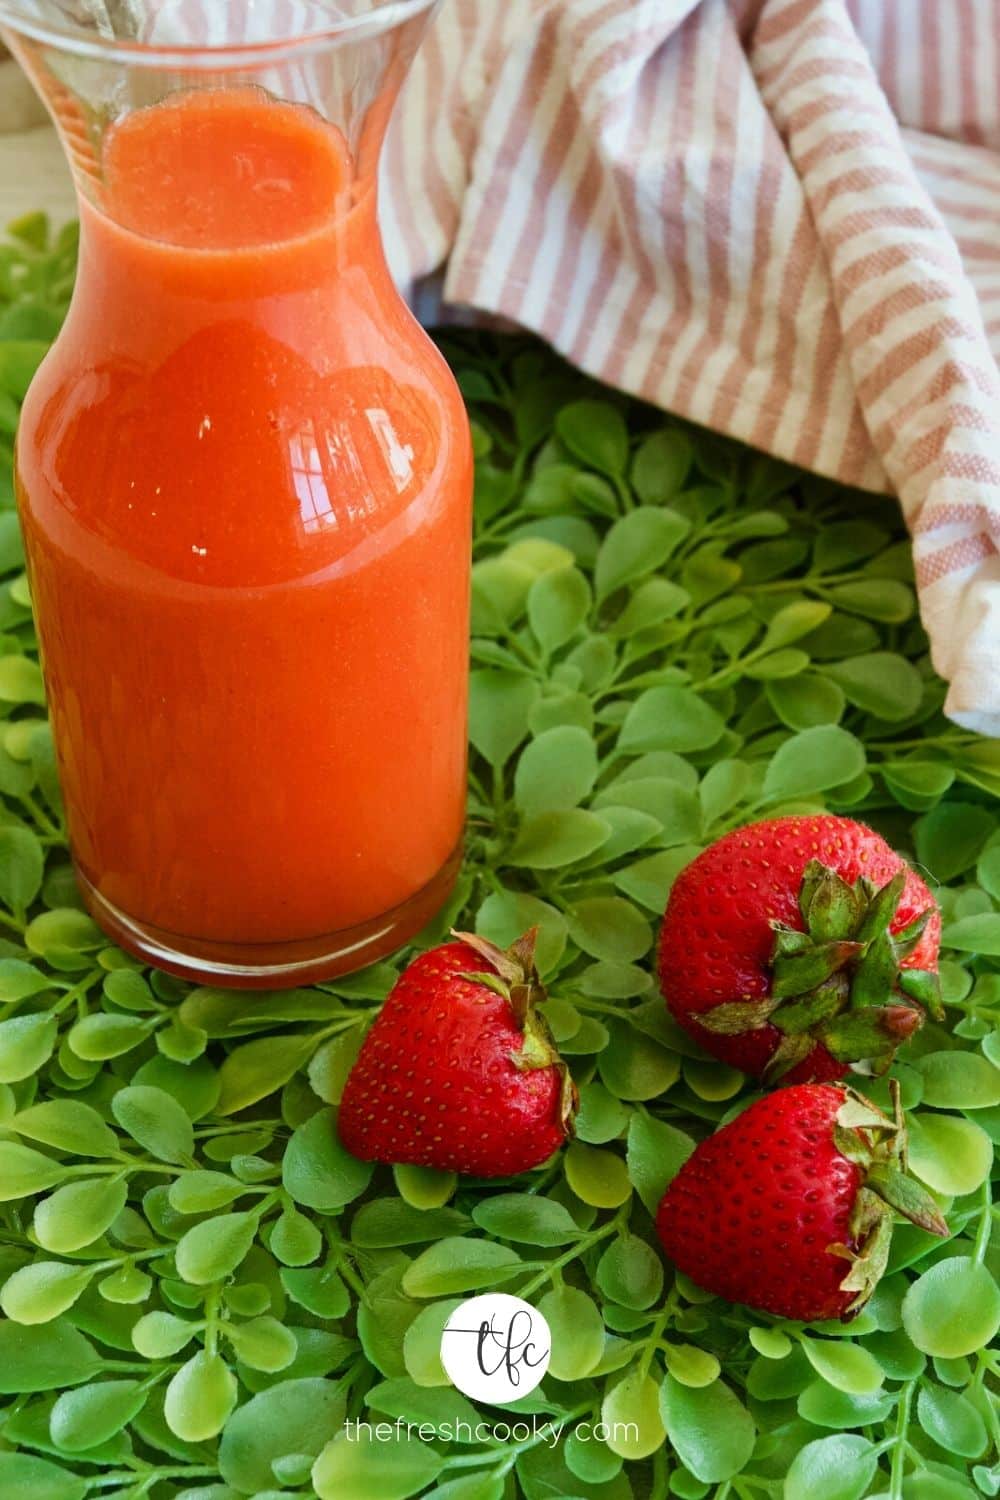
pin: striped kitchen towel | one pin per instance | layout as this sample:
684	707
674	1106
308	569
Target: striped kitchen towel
779	218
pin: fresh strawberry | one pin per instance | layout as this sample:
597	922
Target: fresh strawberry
789	1207
459	1071
797	947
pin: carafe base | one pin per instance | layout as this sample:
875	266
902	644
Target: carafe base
272	966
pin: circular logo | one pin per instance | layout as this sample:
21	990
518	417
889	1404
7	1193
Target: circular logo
496	1348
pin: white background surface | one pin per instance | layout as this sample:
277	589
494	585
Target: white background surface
33	174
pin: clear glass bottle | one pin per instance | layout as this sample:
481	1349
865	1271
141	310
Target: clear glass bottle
244	478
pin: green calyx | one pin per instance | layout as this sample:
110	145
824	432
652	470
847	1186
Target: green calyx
876	1143
514	976
838	981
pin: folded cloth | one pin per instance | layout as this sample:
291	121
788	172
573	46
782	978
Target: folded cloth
774	217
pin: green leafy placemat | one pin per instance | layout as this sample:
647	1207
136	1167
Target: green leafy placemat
671	635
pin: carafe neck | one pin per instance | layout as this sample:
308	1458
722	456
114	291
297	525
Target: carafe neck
223	206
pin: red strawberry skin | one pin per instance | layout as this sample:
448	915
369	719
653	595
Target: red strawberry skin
750	1214
434	1085
716	939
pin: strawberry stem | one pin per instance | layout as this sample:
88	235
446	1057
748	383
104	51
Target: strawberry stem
514	977
839	981
876	1143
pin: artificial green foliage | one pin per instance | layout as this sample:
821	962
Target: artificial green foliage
671	635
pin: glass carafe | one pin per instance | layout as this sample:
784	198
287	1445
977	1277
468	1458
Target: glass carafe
244	479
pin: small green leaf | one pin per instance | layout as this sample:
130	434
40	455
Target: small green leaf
79	1213
988	871
812	761
505	915
915	783
387	1222
26	1044
295	1240
295	1416
953	1156
608	927
630	1272
439	1408
631	1413
634	1066
806	701
675	808
31	1478
649	604
214	1248
577	1330
824	1406
317	1170
84	1419
656	1152
24	1171
555	771
690	1365
882	683
331	1064
973	934
595	432
68	1125
422	1343
20	980
950	837
159	1335
156	1121
263	1344
45	1358
558	604
637	545
777	666
832	1468
959	1080
61	933
661	464
722	788
99	1037
952	1421
553	839
525	1219
200	1397
709	1426
201	1192
424	1187
670	718
21	680
258	1068
771	1342
43	1291
794	621
126	1286
952	1309
882	599
357	1468
459	1265
600	1116
847	1367
499	706
22	862
649	880
597	1177
126	988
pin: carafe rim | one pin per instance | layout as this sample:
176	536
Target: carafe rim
382	16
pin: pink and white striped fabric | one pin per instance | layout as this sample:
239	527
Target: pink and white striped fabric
778	218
